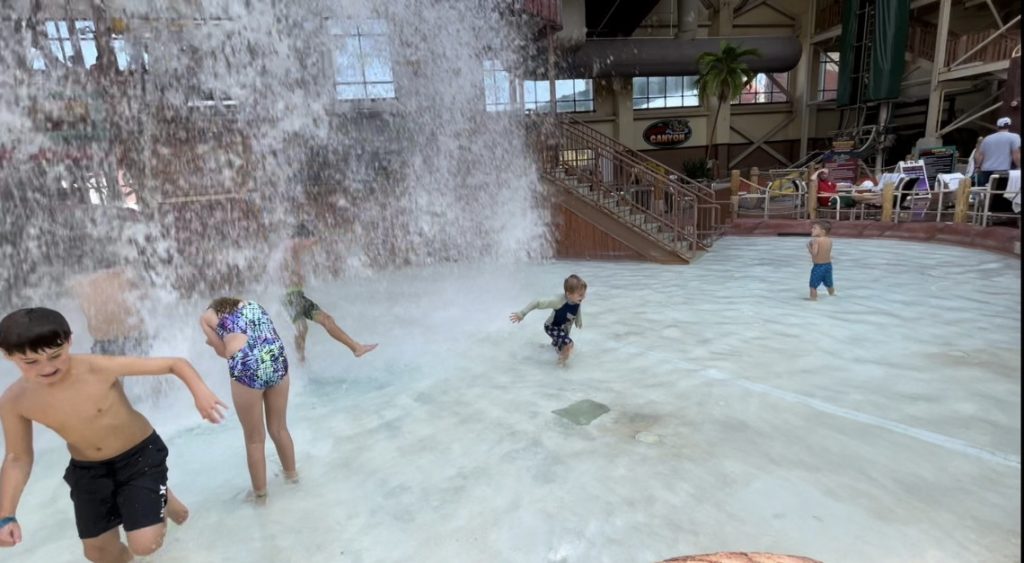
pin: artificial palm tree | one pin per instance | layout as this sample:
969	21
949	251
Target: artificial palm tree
723	76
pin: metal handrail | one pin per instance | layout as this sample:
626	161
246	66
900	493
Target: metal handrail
676	223
619	181
707	207
640	173
640	158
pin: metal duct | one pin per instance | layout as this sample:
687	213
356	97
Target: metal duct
687	15
671	57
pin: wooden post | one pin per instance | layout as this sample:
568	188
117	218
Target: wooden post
812	199
887	202
812	191
755	175
658	205
963	196
734	193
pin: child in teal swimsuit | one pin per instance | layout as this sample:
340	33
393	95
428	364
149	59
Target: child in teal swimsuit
242	332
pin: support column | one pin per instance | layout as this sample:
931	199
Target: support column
686	19
551	71
723	19
622	94
931	126
723	132
806	77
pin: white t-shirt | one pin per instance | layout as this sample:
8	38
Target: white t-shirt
997	150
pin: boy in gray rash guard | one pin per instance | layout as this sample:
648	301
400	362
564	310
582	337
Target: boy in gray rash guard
566	312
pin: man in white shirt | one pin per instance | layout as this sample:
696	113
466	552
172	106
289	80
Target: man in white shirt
999	152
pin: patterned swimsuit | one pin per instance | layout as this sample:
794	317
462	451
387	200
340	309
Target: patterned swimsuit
561	324
261	363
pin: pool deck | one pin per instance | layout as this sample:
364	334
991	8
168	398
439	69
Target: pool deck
1004	240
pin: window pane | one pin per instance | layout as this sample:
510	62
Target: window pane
566	105
341	27
497	88
690	85
640	87
85	29
88	52
376	59
373	27
378	91
543	91
585	105
120	53
563	88
654	92
656	85
584	91
347	66
36	60
351	91
530	92
56	50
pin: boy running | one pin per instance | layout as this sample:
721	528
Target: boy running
567	311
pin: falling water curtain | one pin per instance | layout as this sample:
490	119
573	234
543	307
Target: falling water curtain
847	93
889	45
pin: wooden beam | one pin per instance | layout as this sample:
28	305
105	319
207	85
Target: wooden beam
985	42
830	33
969	117
761	142
973	69
935	94
780	11
746	6
995	13
771	77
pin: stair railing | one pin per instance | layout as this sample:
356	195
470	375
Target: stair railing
709	225
639	197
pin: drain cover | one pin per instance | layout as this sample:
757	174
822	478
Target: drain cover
582	412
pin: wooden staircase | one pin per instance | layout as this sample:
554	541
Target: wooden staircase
658	213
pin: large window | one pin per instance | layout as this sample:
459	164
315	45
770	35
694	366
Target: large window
570	95
765	89
651	92
61	39
828	75
497	87
362	65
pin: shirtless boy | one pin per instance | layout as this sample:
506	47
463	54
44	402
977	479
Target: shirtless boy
303	308
108	299
118	468
820	247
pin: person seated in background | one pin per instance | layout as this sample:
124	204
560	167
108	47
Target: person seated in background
828	192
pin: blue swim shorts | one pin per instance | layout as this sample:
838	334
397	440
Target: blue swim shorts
821	274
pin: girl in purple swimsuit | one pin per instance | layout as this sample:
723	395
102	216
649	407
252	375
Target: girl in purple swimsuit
242	332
